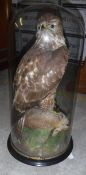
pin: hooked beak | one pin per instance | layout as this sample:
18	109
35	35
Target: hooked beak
44	26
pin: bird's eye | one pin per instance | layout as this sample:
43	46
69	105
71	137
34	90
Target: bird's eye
52	26
39	27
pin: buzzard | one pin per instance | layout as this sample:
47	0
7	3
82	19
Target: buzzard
39	74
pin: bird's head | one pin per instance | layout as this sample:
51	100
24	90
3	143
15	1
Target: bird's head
50	32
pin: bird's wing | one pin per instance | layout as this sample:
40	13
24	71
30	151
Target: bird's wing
37	75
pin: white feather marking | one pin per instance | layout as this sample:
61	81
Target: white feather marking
43	79
46	38
31	74
49	73
26	78
35	70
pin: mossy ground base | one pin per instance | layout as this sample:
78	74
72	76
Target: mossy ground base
34	162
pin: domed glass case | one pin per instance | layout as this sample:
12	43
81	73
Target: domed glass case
45	55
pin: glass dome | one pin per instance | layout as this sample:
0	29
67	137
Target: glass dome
45	56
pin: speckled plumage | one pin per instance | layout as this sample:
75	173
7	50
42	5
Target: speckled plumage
42	67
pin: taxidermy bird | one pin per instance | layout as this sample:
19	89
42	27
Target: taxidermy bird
39	74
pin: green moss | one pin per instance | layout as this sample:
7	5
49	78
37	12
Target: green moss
54	142
35	138
42	139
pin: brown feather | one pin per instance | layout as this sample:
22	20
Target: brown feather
42	67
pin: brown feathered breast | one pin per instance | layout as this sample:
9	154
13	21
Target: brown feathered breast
38	73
